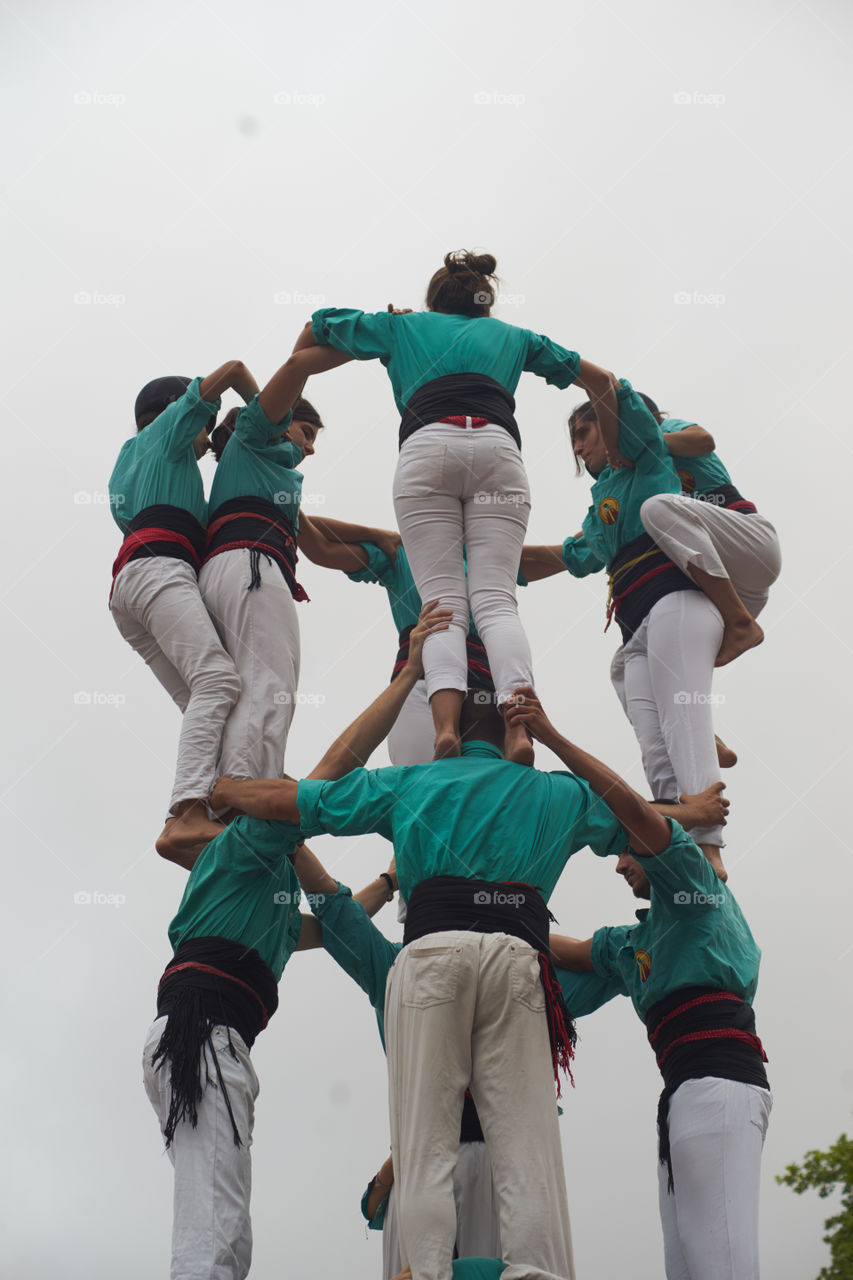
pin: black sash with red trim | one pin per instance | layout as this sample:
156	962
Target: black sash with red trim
727	497
263	529
446	903
209	982
460	395
161	530
640	575
702	1031
479	671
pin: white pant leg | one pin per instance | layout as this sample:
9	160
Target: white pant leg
429	1008
463	1006
260	629
427	502
478	1224
716	1130
497	510
683	639
412	739
211	1229
634	689
726	544
158	609
512	1082
391	1262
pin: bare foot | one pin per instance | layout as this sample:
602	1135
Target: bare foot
726	758
715	857
447	745
518	745
737	638
183	838
707	809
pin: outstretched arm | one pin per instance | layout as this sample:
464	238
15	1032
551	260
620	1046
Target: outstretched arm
387	540
233	374
601	386
285	387
571	953
349	557
541	562
692	442
275	798
648	830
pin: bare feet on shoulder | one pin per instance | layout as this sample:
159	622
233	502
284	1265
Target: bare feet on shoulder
518	745
447	745
737	638
726	758
184	836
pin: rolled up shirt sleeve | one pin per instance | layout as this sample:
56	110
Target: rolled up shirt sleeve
362	335
557	365
606	945
579	558
360	802
255	429
181	421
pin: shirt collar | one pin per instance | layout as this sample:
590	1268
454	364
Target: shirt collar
477	747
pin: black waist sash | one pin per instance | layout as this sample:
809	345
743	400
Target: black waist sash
448	903
470	395
702	1031
636	587
161	530
727	496
263	529
209	982
479	671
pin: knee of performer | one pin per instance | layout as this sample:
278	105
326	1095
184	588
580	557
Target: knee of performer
491	604
655	512
224	683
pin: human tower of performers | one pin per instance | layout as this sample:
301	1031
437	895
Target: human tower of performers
476	1007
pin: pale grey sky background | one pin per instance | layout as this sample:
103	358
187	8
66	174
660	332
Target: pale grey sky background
666	188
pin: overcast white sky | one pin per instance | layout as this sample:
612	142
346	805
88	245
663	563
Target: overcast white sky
666	188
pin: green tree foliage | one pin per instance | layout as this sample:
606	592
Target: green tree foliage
823	1171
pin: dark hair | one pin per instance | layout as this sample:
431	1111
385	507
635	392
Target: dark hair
155	396
581	413
304	411
649	403
222	432
480	719
464	286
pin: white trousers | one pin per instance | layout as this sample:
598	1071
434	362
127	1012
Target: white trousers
412	740
726	544
157	607
466	1007
710	1223
211	1227
478	1228
458	486
663	677
260	630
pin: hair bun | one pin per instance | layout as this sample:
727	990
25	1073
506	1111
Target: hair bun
479	264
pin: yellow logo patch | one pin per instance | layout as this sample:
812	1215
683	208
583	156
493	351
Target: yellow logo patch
608	510
688	481
644	962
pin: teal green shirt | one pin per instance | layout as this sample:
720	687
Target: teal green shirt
158	466
613	519
476	816
426	344
692	934
243	887
258	463
697	475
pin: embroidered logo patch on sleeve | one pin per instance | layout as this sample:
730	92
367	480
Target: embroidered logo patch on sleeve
688	481
608	510
644	963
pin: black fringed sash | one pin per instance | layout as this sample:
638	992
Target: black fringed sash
263	529
445	903
209	982
702	1031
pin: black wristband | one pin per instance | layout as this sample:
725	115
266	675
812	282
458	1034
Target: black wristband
383	875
